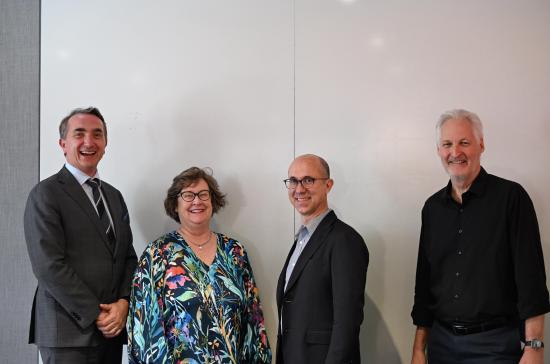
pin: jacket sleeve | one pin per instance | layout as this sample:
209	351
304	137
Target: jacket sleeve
130	256
349	264
46	244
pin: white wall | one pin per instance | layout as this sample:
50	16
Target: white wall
242	86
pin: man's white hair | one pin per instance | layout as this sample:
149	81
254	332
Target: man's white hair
469	116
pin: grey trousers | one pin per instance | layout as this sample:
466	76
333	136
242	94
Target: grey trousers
108	353
502	345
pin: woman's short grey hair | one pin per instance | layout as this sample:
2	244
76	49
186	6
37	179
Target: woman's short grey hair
469	116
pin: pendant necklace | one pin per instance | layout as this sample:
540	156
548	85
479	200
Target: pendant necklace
201	244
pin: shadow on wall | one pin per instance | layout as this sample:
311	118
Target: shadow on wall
377	345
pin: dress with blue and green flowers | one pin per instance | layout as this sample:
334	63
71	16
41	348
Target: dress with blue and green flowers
184	311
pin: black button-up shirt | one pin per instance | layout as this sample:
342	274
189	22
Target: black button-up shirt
481	259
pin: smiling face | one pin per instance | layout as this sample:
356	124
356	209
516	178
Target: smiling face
196	212
312	201
84	143
460	150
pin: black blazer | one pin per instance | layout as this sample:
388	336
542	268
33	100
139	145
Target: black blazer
71	258
322	307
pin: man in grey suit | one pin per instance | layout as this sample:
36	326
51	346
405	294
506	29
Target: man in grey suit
320	293
79	242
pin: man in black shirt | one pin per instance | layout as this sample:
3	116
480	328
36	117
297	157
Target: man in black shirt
480	278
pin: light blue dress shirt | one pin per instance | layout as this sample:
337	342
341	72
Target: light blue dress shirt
302	238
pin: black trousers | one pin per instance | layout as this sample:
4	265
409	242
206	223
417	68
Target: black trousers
108	353
502	345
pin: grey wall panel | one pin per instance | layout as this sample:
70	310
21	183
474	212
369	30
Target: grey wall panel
19	129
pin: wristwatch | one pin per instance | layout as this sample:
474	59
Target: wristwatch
535	344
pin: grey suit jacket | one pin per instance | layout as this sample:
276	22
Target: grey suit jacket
71	258
322	306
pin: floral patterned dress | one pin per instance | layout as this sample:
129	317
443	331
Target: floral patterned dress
184	311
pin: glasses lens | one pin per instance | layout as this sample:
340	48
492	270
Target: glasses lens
204	195
291	183
188	196
308	181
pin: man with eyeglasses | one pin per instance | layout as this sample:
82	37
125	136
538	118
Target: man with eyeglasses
320	292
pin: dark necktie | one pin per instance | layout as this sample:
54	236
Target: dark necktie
100	206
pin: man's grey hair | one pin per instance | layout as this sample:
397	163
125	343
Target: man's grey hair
325	166
469	116
88	111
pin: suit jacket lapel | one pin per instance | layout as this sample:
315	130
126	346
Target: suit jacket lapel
282	276
71	186
314	243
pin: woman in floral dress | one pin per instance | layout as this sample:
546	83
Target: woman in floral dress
194	299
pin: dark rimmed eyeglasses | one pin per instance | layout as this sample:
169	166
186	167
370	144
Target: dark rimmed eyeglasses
306	182
189	196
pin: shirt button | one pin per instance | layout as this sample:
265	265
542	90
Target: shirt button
457	274
459	252
460	231
461	210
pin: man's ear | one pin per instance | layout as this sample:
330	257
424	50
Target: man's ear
330	183
62	143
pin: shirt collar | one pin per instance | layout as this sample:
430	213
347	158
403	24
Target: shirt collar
314	223
477	188
80	176
480	183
